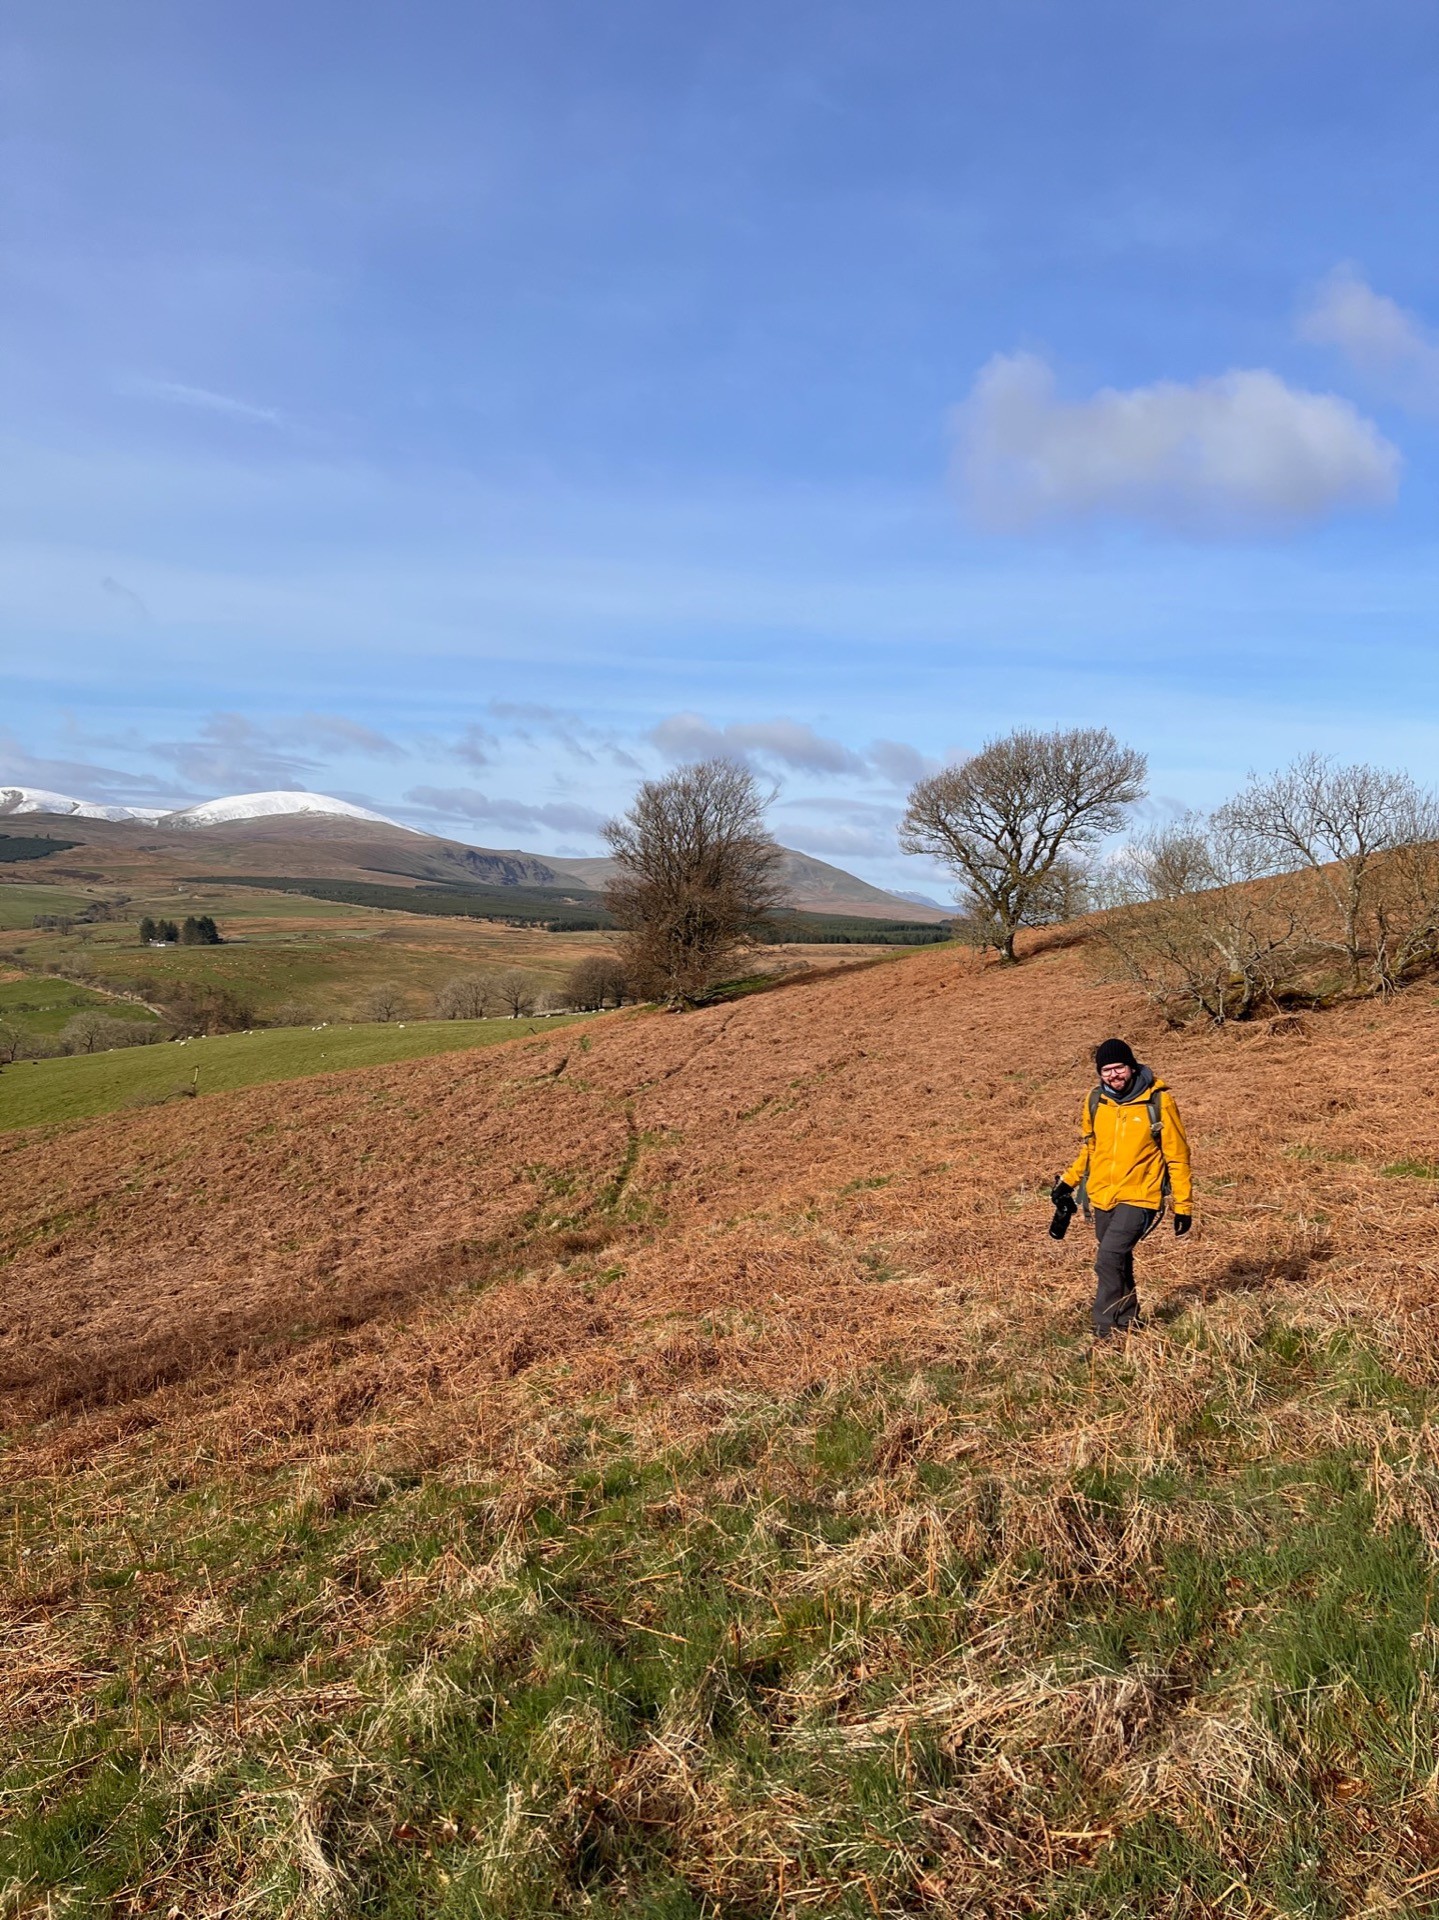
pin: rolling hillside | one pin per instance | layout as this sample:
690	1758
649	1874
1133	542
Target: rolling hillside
304	836
659	1469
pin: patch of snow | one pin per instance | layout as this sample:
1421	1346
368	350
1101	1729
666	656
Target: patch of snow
39	800
267	806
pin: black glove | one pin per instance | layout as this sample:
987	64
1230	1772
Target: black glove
1065	1208
1182	1223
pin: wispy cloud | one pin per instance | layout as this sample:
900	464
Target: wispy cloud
119	591
510	816
899	763
231	754
1240	452
475	746
1388	345
528	721
787	743
179	394
340	735
80	779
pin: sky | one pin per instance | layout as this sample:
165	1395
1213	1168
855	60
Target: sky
473	409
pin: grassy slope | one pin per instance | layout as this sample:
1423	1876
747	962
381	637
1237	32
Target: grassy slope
287	948
670	1481
44	1003
20	904
44	1092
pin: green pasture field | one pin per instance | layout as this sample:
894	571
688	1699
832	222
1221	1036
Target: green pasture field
44	1092
20	903
43	1004
287	948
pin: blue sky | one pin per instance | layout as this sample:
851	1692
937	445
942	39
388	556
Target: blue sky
471	408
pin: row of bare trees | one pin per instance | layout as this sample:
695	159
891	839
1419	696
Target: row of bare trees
1318	880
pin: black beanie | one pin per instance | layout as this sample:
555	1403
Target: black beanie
1115	1053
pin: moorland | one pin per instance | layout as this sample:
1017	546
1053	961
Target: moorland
658	1467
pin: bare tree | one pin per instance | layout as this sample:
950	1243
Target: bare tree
516	991
384	1002
85	1033
1406	910
10	1043
1341	823
698	876
292	1013
470	997
96	1032
1014	821
597	981
1196	922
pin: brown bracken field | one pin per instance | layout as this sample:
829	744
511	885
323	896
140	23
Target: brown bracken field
660	1468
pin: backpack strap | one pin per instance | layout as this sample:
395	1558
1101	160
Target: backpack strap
1156	1129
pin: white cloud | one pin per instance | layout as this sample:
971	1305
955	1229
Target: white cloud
177	393
333	732
233	755
1237	452
513	816
685	736
81	778
1384	341
899	763
475	746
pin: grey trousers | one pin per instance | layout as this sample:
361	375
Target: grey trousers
1119	1231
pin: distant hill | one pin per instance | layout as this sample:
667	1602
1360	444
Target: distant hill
308	836
815	887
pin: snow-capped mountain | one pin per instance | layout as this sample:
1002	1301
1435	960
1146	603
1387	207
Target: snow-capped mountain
265	806
38	800
208	813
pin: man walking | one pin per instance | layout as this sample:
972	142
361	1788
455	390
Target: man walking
1133	1158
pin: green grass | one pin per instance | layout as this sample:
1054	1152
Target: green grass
289	950
871	1652
20	904
44	1003
43	1092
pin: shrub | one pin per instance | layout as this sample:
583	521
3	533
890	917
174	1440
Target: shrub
1198	925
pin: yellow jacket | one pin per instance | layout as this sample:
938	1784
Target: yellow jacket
1120	1159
